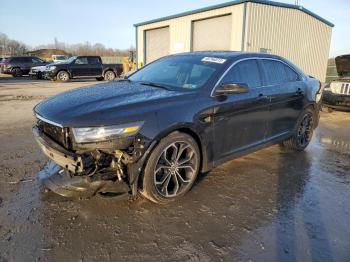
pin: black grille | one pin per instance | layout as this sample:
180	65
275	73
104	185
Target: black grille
54	132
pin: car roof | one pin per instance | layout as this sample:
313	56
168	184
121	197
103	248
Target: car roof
230	54
23	56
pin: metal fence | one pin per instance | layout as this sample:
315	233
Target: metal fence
113	59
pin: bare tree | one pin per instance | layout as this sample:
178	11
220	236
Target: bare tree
87	49
11	47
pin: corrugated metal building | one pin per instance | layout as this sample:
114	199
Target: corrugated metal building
246	25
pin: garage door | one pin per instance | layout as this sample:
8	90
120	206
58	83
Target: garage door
157	43
212	34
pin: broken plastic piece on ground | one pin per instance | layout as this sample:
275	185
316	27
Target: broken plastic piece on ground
61	182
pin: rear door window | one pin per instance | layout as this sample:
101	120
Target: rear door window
245	72
278	73
18	60
27	60
81	61
291	74
94	61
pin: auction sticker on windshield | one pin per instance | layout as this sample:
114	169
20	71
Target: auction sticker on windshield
214	60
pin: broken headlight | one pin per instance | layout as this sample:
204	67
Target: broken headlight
104	133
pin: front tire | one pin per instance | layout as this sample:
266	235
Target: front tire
303	132
62	76
171	169
109	75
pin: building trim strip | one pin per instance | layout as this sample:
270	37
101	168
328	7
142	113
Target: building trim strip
231	3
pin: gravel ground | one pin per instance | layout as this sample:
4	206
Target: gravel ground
266	206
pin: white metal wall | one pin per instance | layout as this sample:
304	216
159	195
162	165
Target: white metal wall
180	30
288	32
291	33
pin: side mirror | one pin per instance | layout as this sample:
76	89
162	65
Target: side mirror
232	88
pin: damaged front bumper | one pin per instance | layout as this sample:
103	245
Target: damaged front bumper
58	180
58	154
82	175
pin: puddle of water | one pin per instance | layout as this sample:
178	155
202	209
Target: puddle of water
341	146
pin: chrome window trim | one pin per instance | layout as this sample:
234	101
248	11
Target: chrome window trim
250	58
48	121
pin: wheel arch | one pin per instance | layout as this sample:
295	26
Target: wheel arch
65	70
194	133
205	164
315	109
109	69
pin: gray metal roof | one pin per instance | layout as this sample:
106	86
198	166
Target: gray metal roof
264	2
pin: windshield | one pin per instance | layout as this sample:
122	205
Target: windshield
190	72
60	57
70	60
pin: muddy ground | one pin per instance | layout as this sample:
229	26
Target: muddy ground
267	206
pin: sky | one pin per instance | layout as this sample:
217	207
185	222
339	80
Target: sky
110	22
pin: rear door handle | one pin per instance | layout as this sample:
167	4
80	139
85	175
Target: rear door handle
262	97
299	92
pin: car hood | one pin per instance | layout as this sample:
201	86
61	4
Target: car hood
343	65
105	104
39	67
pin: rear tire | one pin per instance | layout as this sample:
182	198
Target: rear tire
109	75
17	72
303	132
62	76
171	169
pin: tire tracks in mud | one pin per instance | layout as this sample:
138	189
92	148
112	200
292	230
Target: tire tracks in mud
6	98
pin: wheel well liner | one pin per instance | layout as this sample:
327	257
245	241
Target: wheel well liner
204	167
315	109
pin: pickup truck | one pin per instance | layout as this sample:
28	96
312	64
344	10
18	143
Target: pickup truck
83	67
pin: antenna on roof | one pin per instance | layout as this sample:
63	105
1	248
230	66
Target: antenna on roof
296	2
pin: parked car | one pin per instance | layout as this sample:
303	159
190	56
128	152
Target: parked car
20	65
84	67
178	116
336	95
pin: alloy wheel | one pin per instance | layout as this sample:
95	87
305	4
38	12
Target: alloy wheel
110	76
305	130
175	169
63	76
